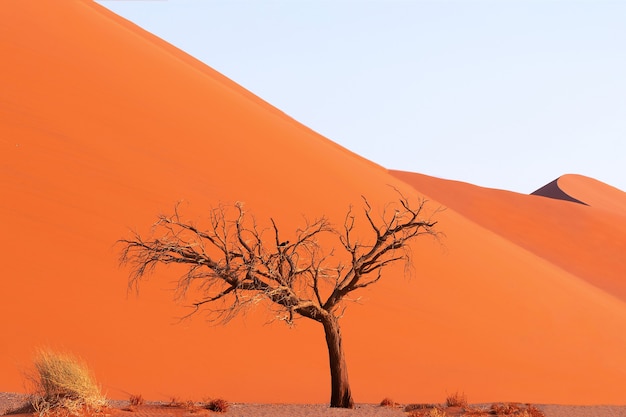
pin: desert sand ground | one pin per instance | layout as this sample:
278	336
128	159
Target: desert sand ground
9	401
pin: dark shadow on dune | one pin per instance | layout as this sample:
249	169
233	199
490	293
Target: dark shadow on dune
552	190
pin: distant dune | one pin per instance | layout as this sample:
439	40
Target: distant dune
552	190
585	241
103	126
587	191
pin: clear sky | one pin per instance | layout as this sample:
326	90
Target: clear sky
505	94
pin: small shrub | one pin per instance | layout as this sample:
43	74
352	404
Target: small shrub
136	400
188	405
175	402
456	400
218	405
63	381
506	409
387	402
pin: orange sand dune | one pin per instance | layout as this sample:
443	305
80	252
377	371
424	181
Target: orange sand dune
588	242
103	126
587	191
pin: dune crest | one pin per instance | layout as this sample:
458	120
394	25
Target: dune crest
584	240
552	190
585	190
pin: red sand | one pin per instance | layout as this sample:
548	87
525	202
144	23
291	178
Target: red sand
9	401
103	126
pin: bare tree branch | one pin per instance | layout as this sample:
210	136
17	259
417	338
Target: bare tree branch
230	259
230	265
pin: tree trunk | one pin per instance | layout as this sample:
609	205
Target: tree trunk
340	387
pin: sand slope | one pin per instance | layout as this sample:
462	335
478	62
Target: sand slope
586	240
586	191
103	126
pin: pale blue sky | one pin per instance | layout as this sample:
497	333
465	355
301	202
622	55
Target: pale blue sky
500	93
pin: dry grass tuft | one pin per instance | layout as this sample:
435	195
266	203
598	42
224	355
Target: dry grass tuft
217	405
456	400
506	409
387	402
136	400
460	407
175	402
133	402
188	405
63	384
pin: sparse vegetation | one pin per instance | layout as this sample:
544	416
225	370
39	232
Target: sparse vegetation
456	400
218	405
459	400
188	405
387	402
64	383
136	400
506	409
176	402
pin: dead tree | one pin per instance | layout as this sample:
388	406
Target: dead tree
232	264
